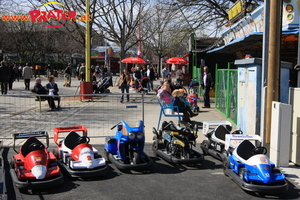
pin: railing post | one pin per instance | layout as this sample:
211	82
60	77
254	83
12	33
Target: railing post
216	86
228	91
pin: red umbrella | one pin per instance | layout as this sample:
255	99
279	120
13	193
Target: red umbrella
133	60
177	60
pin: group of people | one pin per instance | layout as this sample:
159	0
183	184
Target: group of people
10	73
136	75
81	70
174	97
51	89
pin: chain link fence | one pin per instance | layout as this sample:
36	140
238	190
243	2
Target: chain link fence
21	113
226	93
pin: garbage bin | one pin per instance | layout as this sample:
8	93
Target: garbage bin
86	88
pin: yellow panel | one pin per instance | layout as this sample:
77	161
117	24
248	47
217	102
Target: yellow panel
235	10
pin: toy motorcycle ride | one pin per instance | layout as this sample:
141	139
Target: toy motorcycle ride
250	168
126	149
76	156
174	144
34	167
215	142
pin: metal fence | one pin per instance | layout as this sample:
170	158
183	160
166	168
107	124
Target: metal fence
226	92
21	113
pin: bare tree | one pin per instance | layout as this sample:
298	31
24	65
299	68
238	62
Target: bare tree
208	15
118	21
169	33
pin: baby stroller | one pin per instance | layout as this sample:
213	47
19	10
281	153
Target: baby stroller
104	85
192	99
143	85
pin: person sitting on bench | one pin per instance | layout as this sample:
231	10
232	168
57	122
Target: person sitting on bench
39	89
52	85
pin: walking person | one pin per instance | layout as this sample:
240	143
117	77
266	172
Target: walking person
104	72
20	68
150	75
68	73
11	77
124	82
27	75
207	85
165	72
16	73
82	72
137	75
4	77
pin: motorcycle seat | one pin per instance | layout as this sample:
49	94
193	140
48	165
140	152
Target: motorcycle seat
25	148
221	132
71	140
244	150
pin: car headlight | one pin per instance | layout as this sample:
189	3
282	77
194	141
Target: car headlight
140	135
131	135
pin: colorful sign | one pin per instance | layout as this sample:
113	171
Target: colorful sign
60	15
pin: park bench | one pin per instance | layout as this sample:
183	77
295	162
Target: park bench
168	111
39	99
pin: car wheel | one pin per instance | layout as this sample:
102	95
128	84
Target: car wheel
225	153
275	170
55	153
68	161
242	172
205	146
135	157
155	148
105	154
12	163
225	164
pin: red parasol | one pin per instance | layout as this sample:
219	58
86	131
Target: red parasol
133	60
177	60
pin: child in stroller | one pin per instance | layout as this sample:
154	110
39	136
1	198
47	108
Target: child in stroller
104	85
143	84
192	99
101	86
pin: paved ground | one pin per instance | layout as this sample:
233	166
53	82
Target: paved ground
151	116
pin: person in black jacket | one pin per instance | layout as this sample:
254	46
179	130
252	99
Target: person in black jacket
4	77
207	85
39	89
150	75
52	85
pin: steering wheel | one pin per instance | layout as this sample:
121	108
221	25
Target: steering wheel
35	146
237	132
259	150
83	139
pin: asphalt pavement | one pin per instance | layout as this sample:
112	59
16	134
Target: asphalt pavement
162	189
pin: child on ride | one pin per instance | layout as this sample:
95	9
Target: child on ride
180	102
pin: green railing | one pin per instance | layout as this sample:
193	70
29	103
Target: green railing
197	76
226	92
